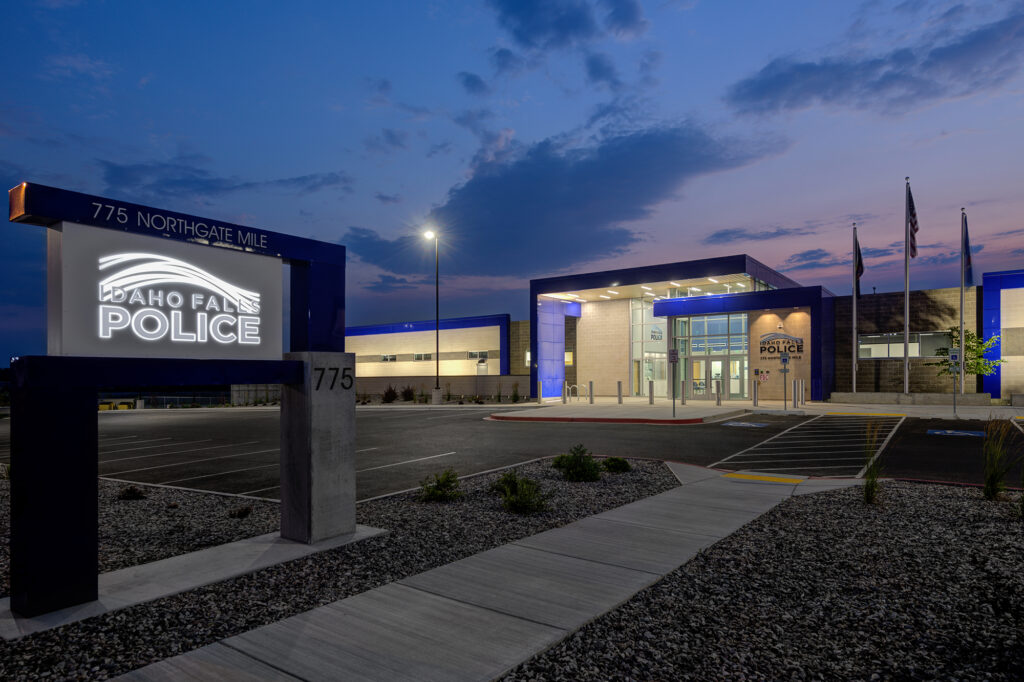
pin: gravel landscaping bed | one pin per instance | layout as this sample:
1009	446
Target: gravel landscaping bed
165	523
420	537
929	584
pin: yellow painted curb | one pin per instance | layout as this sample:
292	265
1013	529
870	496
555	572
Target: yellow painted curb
866	414
772	479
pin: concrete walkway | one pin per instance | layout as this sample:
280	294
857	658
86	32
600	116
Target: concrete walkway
639	411
477	618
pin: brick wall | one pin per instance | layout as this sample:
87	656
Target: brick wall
519	344
603	346
931	310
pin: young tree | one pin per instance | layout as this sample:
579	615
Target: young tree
973	355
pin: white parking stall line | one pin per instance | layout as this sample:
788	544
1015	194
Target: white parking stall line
366	450
189	462
779	461
860	474
806	447
846	466
163	445
151	440
752	447
408	461
220	473
179	452
107	439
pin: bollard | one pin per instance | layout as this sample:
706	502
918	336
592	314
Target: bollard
753	391
803	391
540	392
682	392
620	392
650	392
796	387
590	391
565	392
718	391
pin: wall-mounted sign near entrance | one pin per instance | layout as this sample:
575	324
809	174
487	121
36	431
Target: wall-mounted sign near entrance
777	342
118	294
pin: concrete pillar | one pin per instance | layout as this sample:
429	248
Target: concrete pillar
650	392
753	390
590	391
436	396
318	435
565	392
620	391
796	398
540	392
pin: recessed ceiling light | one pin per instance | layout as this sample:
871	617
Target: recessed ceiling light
613	292
713	280
694	288
644	286
675	284
603	296
741	284
647	293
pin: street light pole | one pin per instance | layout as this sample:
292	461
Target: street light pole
436	397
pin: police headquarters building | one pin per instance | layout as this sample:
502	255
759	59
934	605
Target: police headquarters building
728	318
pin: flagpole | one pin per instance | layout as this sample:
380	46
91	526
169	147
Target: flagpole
853	297
906	292
963	278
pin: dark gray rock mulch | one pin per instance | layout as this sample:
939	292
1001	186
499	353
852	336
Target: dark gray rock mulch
166	522
927	585
421	537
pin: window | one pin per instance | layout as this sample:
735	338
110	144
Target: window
568	358
477	355
527	364
422	356
890	345
388	358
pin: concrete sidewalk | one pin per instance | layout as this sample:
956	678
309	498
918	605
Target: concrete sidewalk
477	618
639	411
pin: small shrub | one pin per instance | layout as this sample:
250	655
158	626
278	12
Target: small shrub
578	465
5	472
527	498
506	484
616	465
874	465
131	492
515	392
240	512
443	487
390	394
997	462
408	393
448	393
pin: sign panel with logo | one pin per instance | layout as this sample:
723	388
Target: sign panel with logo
673	355
117	294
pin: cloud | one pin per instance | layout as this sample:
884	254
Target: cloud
552	204
380	91
439	148
737	234
76	66
812	259
894	82
473	84
546	23
649	63
870	252
388	283
505	61
389	140
601	71
387	198
625	17
184	176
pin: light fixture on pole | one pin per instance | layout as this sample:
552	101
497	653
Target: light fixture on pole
435	397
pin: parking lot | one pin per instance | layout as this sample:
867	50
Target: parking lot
237	450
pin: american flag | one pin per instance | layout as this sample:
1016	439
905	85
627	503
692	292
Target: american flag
858	263
911	223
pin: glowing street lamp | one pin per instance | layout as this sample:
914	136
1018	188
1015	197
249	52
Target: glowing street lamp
436	397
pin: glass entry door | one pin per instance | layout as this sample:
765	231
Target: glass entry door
716	380
698	379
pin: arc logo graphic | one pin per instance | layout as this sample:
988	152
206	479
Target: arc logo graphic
777	342
133	300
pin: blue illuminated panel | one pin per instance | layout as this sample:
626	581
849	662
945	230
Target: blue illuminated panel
551	346
993	284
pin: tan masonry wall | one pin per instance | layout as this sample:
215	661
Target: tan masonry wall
602	346
794	322
455	347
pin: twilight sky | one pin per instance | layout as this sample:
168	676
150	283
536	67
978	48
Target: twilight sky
542	137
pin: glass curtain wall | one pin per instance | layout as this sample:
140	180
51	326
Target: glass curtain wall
648	349
712	348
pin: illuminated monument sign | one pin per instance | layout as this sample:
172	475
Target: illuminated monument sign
125	295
